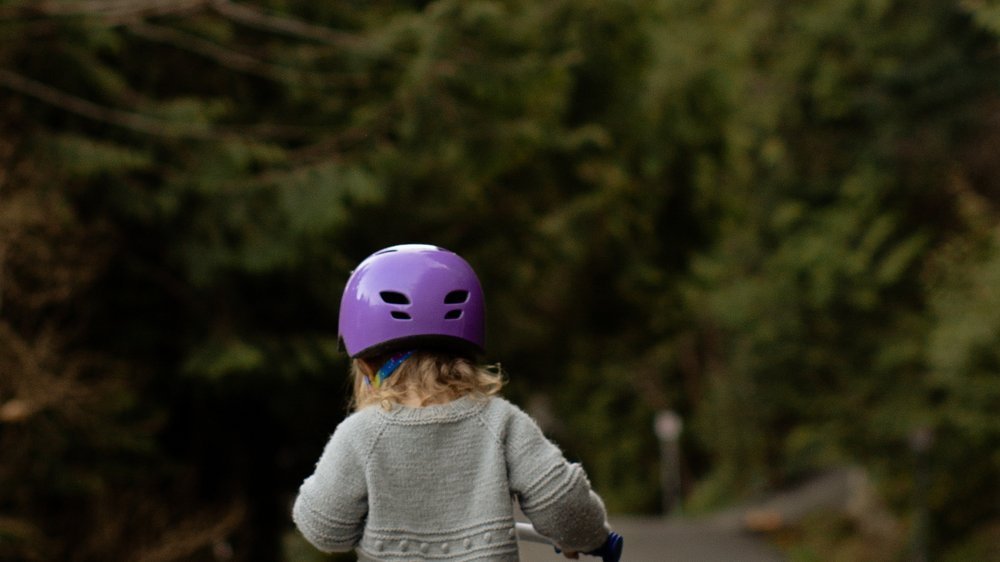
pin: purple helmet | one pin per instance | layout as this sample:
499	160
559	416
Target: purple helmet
413	295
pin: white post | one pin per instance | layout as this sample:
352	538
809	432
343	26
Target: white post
668	426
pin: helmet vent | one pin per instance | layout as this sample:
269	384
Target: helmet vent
456	297
392	297
453	315
398	315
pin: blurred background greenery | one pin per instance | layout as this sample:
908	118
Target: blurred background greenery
779	219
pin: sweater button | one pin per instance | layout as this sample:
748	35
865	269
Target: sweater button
403	545
487	537
379	545
444	547
510	534
467	543
424	548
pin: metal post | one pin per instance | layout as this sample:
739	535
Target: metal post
668	426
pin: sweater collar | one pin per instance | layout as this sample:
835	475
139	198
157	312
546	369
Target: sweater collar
457	409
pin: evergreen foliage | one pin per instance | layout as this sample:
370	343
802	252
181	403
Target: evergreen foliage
779	219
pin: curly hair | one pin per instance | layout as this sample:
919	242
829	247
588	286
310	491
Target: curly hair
431	377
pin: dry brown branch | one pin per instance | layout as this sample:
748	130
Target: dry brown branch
15	410
49	258
206	529
252	17
39	376
48	254
19	529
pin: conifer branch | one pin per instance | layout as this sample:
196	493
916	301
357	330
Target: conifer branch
73	104
228	58
141	123
255	18
114	10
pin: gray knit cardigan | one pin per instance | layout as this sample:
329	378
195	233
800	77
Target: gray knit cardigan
436	483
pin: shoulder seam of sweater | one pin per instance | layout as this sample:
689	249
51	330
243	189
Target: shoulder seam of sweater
382	425
495	434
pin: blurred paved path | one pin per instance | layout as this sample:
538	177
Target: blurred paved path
660	540
723	537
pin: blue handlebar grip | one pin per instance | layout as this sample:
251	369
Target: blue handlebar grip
611	550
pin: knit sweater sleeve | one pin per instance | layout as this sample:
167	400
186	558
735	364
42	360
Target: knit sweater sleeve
554	493
332	503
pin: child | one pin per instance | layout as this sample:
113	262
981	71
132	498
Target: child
427	465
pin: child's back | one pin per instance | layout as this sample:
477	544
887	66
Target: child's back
427	466
437	481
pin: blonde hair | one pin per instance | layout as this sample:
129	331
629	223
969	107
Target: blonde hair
430	377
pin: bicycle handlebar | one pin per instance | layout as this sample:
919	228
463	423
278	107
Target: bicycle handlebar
610	551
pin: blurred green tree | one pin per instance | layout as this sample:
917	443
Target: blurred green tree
776	219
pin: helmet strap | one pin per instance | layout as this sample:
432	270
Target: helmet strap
388	368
